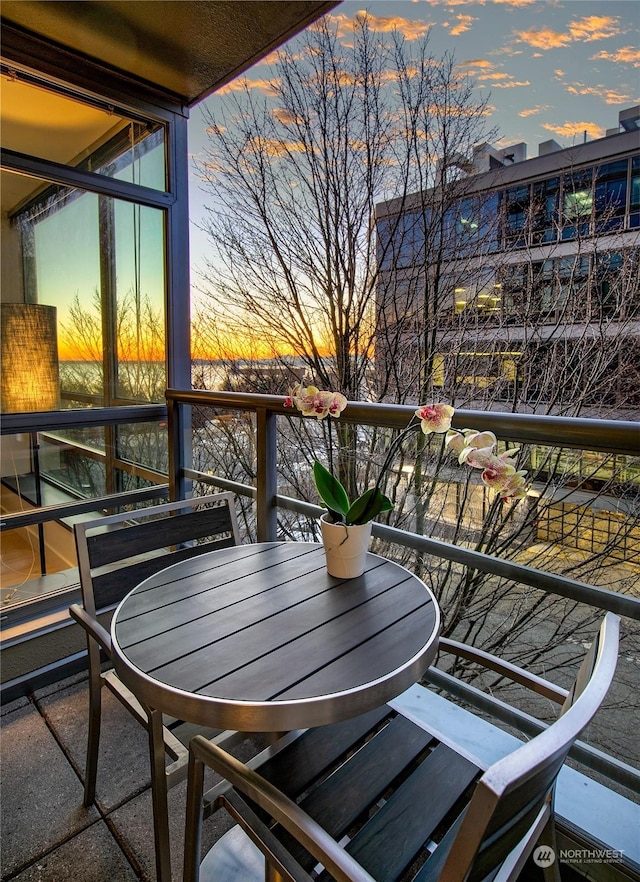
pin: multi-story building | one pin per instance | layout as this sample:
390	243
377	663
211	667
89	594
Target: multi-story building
516	284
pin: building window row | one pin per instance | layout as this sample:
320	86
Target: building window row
579	287
591	201
542	375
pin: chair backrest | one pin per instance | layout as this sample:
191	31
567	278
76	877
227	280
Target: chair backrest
117	552
517	789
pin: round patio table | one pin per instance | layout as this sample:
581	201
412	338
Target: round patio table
259	638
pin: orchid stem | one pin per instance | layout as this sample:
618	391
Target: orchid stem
393	447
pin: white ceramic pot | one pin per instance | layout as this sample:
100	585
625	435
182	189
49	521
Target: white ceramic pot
345	547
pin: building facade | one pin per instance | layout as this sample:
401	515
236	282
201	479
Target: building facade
516	285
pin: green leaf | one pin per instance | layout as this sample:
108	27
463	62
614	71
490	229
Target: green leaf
331	491
368	506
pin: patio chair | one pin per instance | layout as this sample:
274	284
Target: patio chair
115	553
407	805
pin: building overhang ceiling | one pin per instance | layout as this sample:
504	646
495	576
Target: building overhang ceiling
175	52
185	49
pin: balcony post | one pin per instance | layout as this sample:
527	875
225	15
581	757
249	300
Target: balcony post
266	477
179	449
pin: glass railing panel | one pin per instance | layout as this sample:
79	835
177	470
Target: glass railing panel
75	472
144	445
30	551
75	461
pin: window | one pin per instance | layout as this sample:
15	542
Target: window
616	285
513	281
489	375
400	239
517	206
477	298
94	209
545	211
634	195
610	196
577	204
467	225
95	137
100	262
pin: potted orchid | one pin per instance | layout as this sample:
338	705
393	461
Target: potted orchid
475	449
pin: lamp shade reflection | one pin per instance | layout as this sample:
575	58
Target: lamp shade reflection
30	373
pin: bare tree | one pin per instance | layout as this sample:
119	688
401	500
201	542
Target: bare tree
395	306
294	181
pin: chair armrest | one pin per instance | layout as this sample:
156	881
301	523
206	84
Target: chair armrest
91	626
311	835
512	672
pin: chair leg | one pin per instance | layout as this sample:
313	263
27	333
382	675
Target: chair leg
93	735
193	825
159	797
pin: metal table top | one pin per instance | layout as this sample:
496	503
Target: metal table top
260	638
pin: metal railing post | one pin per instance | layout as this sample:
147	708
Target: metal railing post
174	447
180	449
267	475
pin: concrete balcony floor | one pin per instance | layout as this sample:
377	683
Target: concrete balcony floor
47	834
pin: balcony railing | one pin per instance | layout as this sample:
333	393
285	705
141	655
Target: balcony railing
610	437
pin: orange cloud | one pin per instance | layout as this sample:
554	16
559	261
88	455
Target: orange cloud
284	116
276	147
271	58
532	111
464	24
485	71
478	62
239	84
505	50
586	30
626	55
495	76
501	80
594	27
410	29
609	96
569	129
511	84
454	2
543	38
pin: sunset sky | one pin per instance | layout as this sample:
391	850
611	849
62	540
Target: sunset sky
551	68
